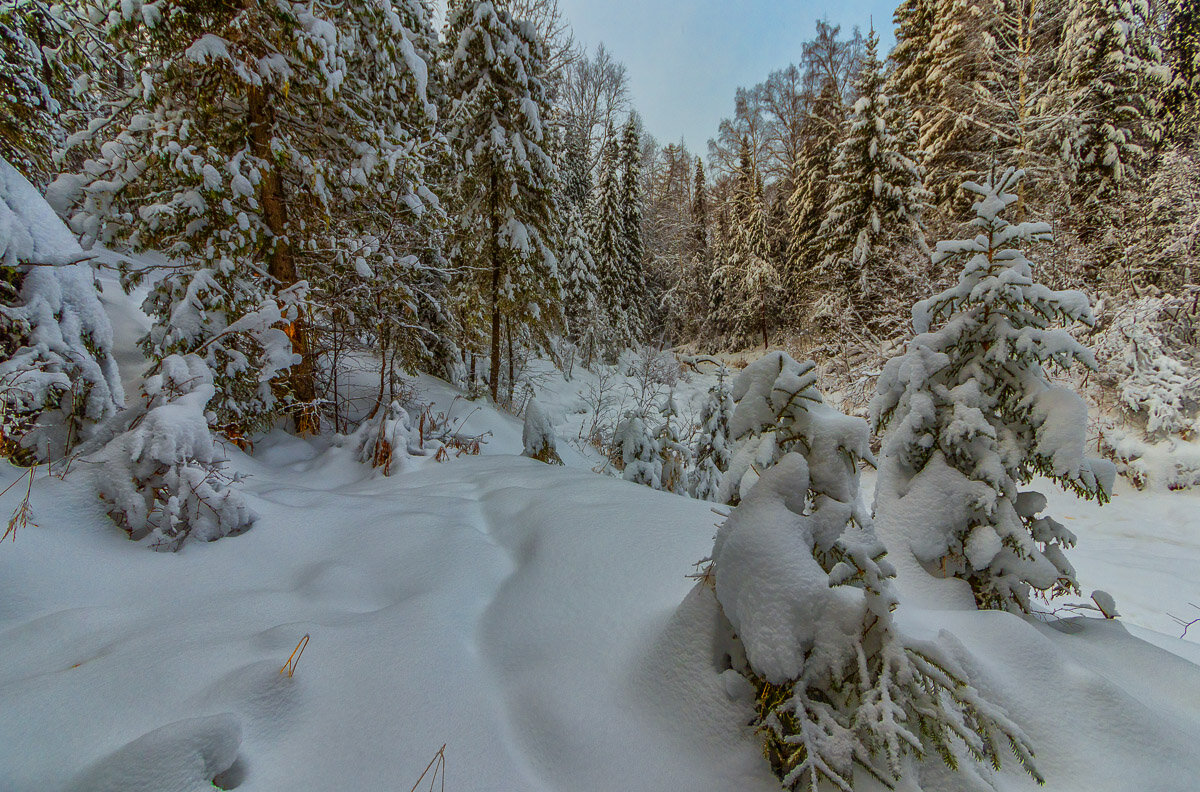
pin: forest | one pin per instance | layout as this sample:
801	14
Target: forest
251	247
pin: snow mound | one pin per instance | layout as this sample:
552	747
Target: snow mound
29	228
181	757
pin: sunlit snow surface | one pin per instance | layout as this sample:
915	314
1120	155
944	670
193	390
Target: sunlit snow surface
536	620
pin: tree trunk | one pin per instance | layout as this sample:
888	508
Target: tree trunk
494	384
764	322
511	379
281	264
494	246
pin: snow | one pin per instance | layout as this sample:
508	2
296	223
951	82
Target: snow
183	756
528	616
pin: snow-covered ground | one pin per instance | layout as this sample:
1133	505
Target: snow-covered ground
536	620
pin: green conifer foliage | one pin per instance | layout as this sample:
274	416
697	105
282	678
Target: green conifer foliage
874	212
505	181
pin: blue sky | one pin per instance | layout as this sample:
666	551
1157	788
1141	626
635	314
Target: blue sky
687	58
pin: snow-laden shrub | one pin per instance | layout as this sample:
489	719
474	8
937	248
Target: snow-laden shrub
537	436
713	446
1149	357
674	455
638	451
804	583
157	467
972	417
58	376
389	439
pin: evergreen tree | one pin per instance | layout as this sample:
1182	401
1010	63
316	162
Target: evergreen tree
581	287
504	199
722	285
607	234
1182	98
41	56
157	467
910	65
1167	243
639	452
1110	76
537	435
245	143
806	204
633	272
581	284
957	120
699	213
713	444
58	375
805	584
674	455
973	416
874	211
698	258
749	261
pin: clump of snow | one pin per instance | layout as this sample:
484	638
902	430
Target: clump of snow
538	435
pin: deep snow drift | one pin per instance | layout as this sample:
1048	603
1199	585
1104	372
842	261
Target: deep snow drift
528	616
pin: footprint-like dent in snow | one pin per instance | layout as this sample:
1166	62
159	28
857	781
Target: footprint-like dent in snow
184	756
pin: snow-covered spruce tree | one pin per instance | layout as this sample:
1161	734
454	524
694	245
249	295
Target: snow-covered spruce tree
537	436
156	466
806	204
803	579
972	417
581	285
1110	76
58	377
699	258
771	416
1181	100
383	279
675	456
713	444
874	211
1165	253
910	61
750	267
638	451
505	178
244	144
633	273
954	135
722	284
608	236
43	49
